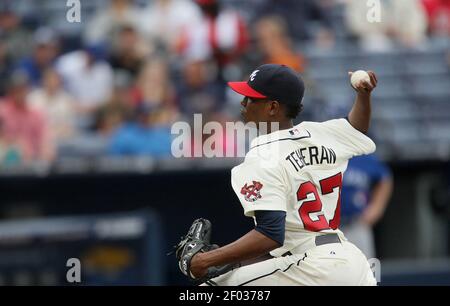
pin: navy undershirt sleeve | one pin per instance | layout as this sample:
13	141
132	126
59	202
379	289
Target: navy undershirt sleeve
271	223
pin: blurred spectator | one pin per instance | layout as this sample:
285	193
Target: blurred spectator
106	24
402	21
221	34
305	18
154	85
56	105
199	91
276	45
24	125
164	20
117	109
45	51
6	66
16	37
88	78
129	51
438	12
366	190
147	135
222	143
10	150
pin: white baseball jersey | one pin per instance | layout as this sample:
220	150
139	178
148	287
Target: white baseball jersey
300	171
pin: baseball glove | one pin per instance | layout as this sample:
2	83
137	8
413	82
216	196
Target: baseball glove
198	240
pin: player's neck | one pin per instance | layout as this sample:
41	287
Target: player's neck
282	125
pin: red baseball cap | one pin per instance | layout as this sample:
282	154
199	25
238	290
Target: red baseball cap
205	2
245	89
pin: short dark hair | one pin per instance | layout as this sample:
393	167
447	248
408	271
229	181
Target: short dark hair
293	109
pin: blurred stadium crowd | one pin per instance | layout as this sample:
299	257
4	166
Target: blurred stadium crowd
113	84
101	95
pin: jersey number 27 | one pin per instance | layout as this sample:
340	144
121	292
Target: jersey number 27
315	206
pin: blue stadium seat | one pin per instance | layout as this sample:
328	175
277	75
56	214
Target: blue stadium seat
425	63
430	85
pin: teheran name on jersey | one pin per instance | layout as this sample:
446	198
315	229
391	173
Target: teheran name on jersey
311	156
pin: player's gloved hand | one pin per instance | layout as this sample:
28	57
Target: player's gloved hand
197	240
364	86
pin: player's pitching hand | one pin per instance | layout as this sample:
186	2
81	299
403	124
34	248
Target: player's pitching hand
197	268
364	86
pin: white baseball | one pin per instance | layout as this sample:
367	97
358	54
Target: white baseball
358	77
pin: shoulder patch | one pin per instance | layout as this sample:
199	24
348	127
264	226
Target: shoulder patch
252	192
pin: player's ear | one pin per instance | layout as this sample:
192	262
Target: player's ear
274	108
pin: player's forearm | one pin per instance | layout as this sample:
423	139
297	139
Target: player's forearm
380	198
251	245
382	192
359	116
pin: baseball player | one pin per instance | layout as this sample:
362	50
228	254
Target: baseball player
295	199
366	190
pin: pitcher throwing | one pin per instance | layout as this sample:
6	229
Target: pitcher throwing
295	198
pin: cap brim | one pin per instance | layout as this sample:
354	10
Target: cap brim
244	89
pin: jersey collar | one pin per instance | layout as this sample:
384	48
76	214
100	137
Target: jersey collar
294	133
